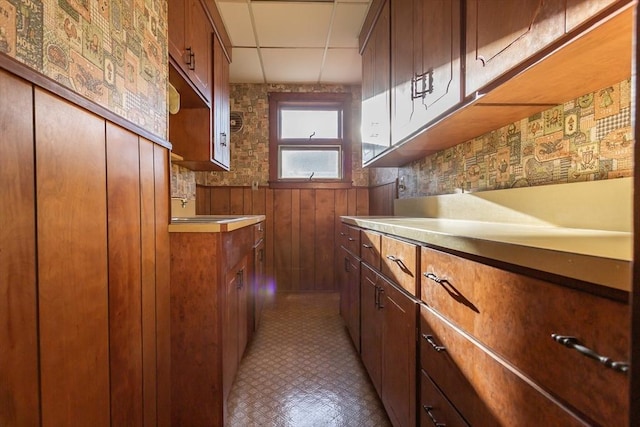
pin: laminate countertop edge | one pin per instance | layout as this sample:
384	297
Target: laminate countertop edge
594	256
214	226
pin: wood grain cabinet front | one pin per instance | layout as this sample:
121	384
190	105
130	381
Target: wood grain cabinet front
485	390
516	316
190	36
388	339
435	409
425	63
371	243
210	316
399	263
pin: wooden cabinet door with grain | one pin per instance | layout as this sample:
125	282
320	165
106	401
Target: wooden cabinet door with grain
501	34
371	326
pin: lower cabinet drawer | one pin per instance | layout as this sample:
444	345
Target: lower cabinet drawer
400	263
515	316
435	409
485	390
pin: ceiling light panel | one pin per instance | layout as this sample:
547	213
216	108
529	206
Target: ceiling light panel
292	24
347	23
292	65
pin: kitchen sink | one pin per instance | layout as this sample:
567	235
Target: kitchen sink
199	219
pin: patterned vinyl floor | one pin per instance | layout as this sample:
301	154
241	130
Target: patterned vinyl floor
302	370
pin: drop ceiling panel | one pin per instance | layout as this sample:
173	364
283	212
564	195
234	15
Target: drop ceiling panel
245	67
292	65
237	22
342	66
347	23
292	25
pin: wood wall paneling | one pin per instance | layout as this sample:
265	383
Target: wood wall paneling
302	226
72	263
148	282
163	298
324	241
125	288
381	199
19	403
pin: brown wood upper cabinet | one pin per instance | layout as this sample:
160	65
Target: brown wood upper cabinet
376	136
425	63
199	71
501	34
190	42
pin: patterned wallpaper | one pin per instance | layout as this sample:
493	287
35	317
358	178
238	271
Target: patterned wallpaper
113	52
585	139
250	146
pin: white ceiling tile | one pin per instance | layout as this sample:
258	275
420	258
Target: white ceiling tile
342	66
292	65
292	25
346	24
245	67
237	22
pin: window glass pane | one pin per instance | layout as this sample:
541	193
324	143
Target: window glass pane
304	123
323	163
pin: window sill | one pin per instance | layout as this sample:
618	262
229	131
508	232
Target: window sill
316	183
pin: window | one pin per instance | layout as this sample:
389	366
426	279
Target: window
309	140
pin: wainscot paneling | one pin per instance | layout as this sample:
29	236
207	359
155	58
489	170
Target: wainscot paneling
302	227
381	199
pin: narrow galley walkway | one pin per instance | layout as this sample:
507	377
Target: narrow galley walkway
301	370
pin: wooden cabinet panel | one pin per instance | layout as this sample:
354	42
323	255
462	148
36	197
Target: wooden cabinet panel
148	282
221	132
190	34
578	11
398	355
125	289
353	283
353	240
486	391
19	404
230	332
163	297
478	297
371	248
400	263
425	63
196	329
376	98
435	408
261	289
371	326
72	264
502	34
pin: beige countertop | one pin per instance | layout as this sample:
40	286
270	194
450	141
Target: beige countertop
212	223
595	256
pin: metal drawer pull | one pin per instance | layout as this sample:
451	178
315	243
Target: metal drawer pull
431	341
433	418
392	258
433	277
574	343
342	234
364	245
351	239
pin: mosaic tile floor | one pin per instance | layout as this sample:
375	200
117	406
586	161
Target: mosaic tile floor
302	370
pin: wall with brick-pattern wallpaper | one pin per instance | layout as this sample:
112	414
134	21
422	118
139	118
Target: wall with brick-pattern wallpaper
250	146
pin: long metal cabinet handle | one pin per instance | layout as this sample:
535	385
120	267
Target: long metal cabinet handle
435	422
432	276
431	341
574	343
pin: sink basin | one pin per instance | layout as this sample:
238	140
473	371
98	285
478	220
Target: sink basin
199	219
